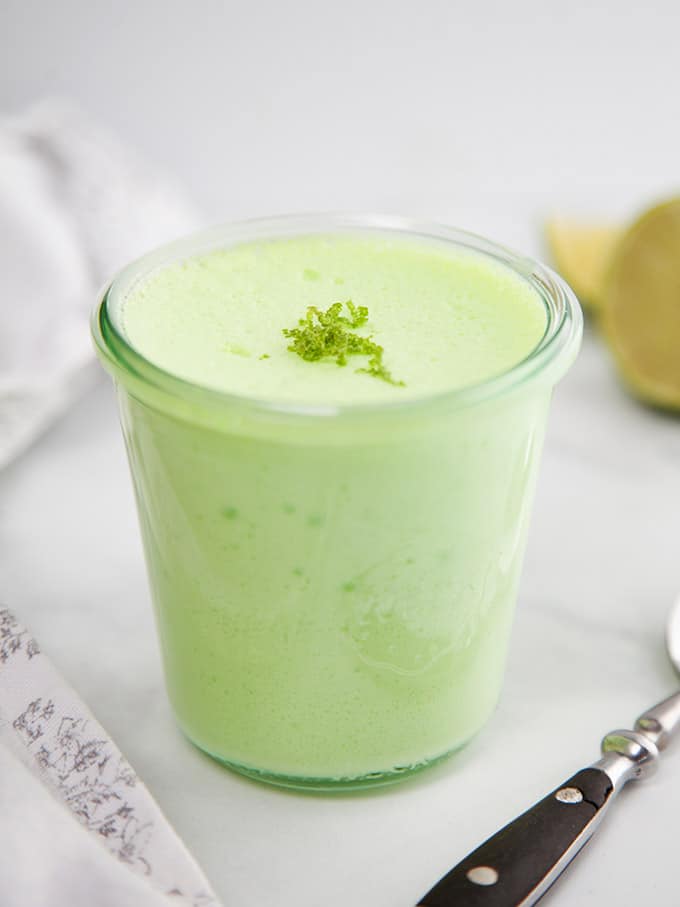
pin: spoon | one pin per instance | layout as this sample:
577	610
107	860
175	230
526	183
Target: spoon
516	866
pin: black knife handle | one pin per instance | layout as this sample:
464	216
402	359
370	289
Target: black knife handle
519	863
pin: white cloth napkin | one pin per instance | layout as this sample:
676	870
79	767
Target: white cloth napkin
74	207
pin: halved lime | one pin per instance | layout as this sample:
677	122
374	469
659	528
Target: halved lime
581	252
640	305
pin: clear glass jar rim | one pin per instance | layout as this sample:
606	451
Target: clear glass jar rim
554	352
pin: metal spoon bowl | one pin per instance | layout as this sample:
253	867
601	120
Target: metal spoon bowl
673	636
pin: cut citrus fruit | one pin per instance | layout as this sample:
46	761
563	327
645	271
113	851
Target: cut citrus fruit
640	305
581	252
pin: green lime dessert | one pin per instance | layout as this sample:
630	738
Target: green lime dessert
445	318
333	437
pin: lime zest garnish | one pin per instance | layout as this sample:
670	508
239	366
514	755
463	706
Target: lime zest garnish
330	335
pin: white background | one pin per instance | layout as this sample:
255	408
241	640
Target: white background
265	106
480	114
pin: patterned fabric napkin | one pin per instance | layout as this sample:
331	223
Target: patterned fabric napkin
46	857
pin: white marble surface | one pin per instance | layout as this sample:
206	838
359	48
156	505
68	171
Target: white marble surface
505	108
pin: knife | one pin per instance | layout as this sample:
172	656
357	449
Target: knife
516	866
